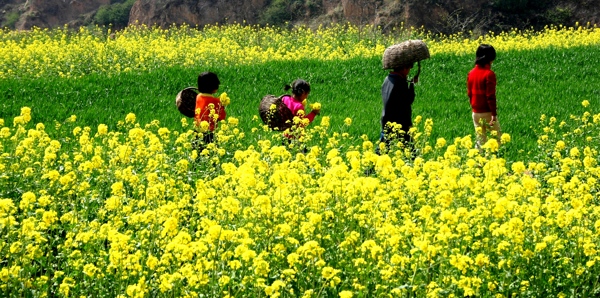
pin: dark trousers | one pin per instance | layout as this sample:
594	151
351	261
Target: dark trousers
200	142
390	138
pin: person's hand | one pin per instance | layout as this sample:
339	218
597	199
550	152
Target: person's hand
415	79
494	119
316	108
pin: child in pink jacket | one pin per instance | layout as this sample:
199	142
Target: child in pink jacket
296	101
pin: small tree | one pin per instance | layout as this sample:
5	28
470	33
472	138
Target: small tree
116	14
280	11
276	13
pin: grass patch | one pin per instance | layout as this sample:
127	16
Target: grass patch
550	81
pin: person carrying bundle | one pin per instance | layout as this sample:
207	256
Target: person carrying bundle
209	109
297	104
398	95
278	112
398	92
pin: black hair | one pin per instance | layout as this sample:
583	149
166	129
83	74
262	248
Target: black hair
208	82
485	54
298	87
403	66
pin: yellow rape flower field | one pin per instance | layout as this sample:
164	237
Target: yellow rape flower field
135	211
61	52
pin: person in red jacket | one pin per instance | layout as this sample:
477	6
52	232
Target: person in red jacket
481	89
209	109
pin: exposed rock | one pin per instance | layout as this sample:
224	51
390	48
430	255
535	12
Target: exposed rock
445	16
165	13
453	14
57	13
585	10
360	11
10	10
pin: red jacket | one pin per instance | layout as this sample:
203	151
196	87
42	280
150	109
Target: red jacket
481	89
202	102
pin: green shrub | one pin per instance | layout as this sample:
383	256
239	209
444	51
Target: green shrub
280	11
11	20
276	13
116	14
559	15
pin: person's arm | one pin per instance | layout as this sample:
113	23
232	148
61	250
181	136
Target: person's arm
416	78
469	87
311	116
490	94
222	113
200	106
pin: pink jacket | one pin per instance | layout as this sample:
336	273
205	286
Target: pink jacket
296	106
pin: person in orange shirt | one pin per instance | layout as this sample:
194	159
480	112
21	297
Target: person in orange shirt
209	109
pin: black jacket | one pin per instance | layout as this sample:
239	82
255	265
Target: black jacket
397	94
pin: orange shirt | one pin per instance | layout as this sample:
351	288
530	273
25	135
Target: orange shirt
203	101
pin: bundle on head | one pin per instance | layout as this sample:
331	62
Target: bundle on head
186	101
274	113
405	53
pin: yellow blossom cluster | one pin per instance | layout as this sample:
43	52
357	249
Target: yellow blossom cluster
74	53
135	211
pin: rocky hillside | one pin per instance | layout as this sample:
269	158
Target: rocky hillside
24	14
446	16
168	12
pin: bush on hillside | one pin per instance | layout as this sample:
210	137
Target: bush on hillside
11	20
115	14
279	12
276	13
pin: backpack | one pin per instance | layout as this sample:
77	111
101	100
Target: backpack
278	119
186	101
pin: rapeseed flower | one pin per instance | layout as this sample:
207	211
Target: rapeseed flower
139	48
225	100
134	209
